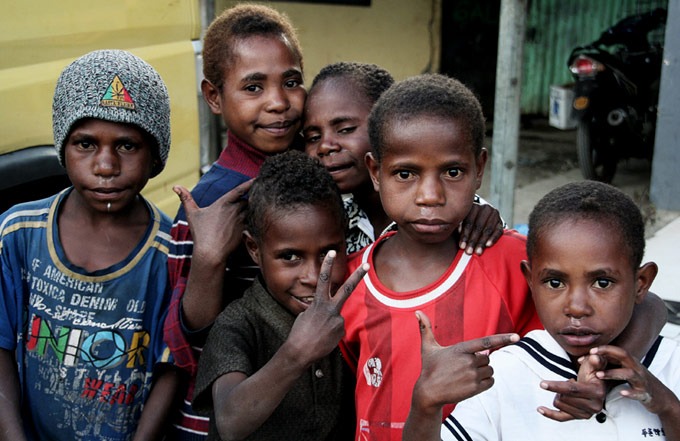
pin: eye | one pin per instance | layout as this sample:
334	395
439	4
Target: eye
252	88
602	283
291	84
289	256
347	130
554	284
84	144
454	172
403	175
128	147
312	138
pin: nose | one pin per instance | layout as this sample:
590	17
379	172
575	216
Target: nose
106	162
277	100
430	191
577	305
309	275
328	145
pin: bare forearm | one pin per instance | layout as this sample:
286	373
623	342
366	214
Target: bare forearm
243	408
670	421
158	408
11	426
422	425
203	298
648	319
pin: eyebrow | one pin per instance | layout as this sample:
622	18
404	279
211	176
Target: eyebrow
259	76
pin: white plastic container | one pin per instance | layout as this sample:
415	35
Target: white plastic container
561	99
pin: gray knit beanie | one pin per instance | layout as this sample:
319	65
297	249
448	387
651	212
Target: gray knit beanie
116	86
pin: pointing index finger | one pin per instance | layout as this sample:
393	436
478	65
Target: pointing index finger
490	342
347	288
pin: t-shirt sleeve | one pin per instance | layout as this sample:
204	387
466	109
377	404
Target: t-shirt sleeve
231	347
9	289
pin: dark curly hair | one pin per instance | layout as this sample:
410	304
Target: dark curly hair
287	181
426	95
237	23
594	201
372	79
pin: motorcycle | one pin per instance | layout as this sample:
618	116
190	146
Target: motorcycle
615	94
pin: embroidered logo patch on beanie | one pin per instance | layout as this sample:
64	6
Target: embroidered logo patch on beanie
116	95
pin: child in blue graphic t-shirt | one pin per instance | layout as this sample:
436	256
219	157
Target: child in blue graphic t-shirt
83	283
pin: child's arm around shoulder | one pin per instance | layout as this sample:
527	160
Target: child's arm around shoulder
11	426
243	403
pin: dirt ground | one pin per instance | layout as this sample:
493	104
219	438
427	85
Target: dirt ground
547	158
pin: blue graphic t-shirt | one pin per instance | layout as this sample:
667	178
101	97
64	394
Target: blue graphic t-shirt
86	343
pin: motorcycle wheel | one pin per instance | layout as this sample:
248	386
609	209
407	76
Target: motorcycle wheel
594	165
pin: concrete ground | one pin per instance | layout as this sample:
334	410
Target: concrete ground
547	159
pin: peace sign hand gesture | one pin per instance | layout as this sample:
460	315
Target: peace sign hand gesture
318	329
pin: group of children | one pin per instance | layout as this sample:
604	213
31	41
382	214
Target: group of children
275	309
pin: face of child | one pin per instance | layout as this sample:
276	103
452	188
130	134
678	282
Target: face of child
262	95
427	176
108	163
291	251
336	132
583	283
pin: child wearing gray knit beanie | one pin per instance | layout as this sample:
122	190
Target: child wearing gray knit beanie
84	285
116	86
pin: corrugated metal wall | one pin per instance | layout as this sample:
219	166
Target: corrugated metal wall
554	28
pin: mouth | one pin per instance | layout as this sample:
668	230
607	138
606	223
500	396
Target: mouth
337	168
308	300
278	128
579	336
106	193
431	225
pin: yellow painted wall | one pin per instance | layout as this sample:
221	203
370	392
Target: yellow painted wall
401	36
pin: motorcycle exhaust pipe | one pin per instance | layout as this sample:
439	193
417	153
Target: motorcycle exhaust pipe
616	117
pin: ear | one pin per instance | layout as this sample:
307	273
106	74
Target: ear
212	96
645	276
373	166
526	270
252	247
481	163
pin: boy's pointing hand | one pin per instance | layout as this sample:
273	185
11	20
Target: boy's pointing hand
453	373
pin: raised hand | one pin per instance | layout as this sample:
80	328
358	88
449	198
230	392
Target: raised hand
216	229
644	387
580	398
318	329
453	373
481	228
449	375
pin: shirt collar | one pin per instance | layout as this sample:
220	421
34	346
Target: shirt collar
238	155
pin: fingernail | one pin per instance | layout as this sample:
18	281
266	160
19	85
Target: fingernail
479	251
489	243
469	250
463	245
544	385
